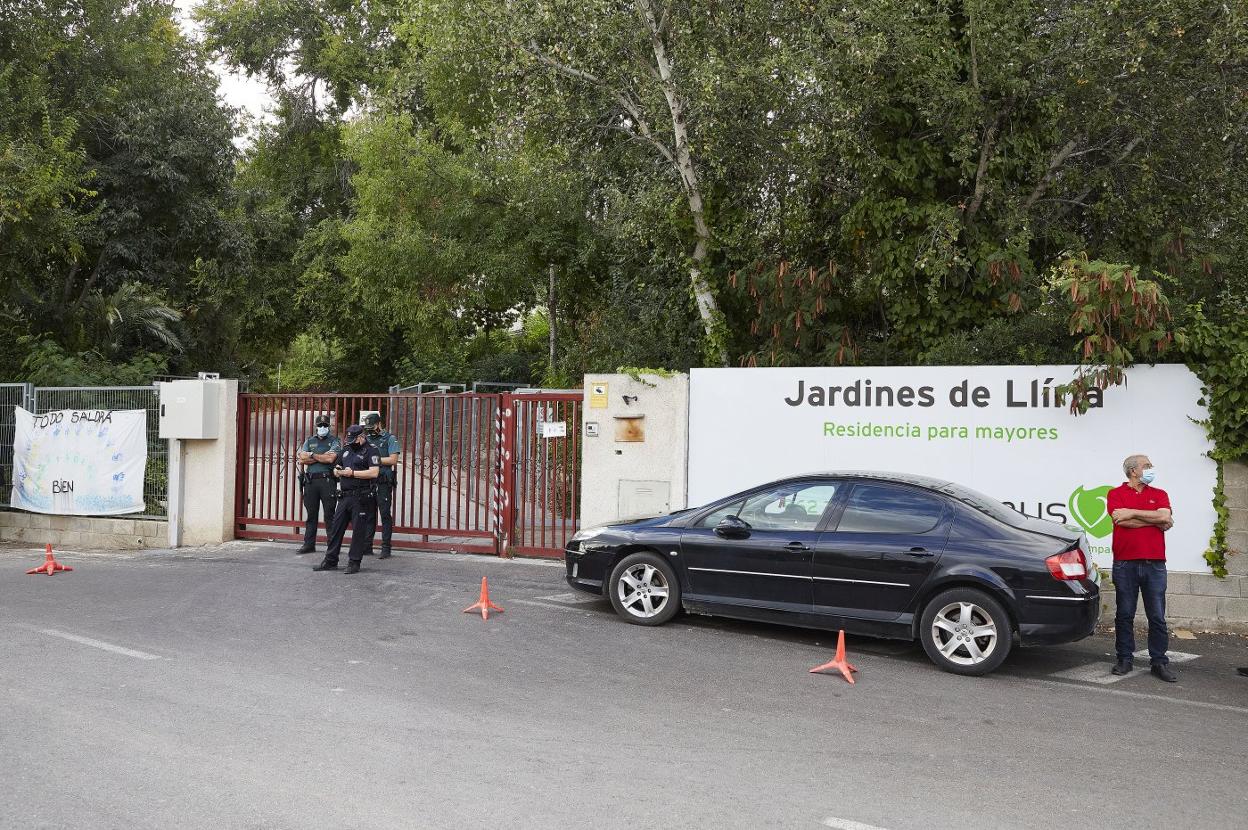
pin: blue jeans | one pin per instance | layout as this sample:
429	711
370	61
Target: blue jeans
1132	578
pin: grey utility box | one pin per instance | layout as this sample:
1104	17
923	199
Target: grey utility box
190	409
644	498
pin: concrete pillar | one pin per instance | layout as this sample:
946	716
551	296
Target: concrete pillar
209	467
635	446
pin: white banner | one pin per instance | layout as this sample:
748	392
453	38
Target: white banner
81	462
996	429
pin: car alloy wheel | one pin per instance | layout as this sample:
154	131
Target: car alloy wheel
964	633
644	590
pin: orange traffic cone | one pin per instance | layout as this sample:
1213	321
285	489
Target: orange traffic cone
838	662
50	565
484	602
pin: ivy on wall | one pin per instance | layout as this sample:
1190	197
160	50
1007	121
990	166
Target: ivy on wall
1120	318
1218	354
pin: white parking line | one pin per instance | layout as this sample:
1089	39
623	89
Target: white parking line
847	824
1175	656
1092	673
100	644
558	606
1173	701
1098	672
573	597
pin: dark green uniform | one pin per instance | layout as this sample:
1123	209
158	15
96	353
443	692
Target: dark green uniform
319	488
385	444
357	508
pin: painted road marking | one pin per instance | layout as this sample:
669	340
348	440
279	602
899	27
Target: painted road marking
1198	704
847	824
558	606
573	597
1099	672
100	644
1175	656
1093	673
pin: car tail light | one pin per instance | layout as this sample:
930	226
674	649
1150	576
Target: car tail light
1068	565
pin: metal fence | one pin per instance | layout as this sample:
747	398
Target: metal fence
546	471
476	473
428	387
51	398
12	395
447	455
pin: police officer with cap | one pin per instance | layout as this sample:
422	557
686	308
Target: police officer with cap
356	471
387	447
318	454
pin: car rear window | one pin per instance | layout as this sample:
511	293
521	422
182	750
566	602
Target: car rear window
985	504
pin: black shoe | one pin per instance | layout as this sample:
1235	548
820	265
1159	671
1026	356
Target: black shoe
326	566
306	549
1121	667
1163	673
385	554
352	568
1242	671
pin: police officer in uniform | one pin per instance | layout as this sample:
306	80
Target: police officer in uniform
387	447
357	471
318	455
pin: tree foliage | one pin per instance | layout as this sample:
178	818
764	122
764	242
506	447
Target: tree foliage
774	183
119	234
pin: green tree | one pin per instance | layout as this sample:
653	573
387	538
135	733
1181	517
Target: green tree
116	169
971	146
788	182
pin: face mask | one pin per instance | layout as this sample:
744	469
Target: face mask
322	432
1148	475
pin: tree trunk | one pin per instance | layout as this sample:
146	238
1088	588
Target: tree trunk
708	308
550	311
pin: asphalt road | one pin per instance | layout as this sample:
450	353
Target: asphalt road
234	688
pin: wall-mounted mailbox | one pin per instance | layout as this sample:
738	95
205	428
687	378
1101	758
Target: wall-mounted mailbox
630	428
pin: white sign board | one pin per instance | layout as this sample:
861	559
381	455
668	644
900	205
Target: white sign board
79	462
996	429
553	429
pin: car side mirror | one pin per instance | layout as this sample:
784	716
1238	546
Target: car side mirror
733	527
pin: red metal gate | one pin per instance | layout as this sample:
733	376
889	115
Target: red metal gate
545	486
474	473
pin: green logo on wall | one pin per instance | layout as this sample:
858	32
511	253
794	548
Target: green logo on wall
1087	507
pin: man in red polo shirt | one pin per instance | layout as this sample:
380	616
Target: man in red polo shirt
1141	515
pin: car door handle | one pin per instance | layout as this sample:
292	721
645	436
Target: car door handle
919	552
797	546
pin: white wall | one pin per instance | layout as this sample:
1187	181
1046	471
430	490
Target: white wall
749	426
651	474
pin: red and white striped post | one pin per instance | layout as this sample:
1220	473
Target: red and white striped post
504	475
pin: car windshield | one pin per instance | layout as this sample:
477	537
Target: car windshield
985	504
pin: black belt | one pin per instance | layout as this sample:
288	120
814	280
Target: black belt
312	476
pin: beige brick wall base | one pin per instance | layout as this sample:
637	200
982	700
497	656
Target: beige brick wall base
82	532
1197	602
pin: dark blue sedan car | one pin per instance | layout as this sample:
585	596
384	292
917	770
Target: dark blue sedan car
881	554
